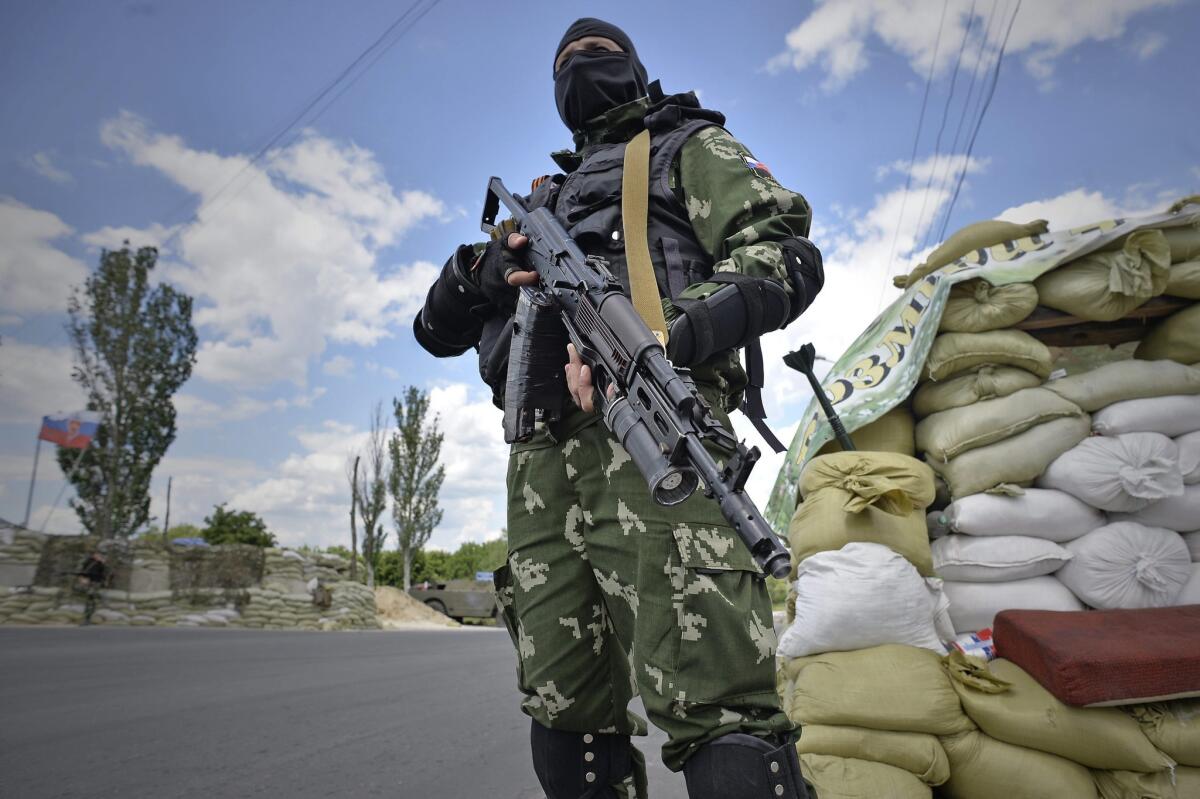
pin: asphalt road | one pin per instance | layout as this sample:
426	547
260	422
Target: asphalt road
112	712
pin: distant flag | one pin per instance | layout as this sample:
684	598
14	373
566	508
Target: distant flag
75	430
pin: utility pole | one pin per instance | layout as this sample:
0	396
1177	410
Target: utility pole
167	519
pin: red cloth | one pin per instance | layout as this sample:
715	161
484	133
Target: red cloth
1105	656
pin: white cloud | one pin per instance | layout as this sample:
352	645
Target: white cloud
1080	207
196	412
36	381
838	34
376	368
290	260
35	277
1146	44
338	366
114	238
44	165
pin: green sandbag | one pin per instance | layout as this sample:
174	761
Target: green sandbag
984	768
1184	242
1176	338
878	497
848	778
1105	286
1184	280
953	353
1017	460
976	306
975	236
892	432
917	753
1126	380
950	433
988	382
1028	715
1187	781
891	687
1138	785
1174	727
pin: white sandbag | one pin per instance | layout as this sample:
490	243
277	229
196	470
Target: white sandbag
860	596
1127	565
1171	416
1118	381
1039	512
1180	513
973	606
1189	457
1119	473
1190	595
996	559
1193	544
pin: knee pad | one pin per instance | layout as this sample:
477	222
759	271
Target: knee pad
740	766
578	765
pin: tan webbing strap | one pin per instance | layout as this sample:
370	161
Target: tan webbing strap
635	198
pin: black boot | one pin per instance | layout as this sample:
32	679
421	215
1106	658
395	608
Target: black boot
740	766
579	765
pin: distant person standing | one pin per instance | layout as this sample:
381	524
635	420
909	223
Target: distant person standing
90	578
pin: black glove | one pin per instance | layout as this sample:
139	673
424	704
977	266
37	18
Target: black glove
806	270
491	272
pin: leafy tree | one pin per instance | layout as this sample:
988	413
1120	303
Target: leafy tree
154	533
236	527
134	347
416	476
369	491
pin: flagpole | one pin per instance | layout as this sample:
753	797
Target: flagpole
32	480
61	491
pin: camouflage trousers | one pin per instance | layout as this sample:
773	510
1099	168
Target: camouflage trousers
607	595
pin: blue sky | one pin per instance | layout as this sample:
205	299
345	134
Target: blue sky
128	120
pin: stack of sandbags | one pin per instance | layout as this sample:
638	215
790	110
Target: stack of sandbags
1031	744
1178	336
872	720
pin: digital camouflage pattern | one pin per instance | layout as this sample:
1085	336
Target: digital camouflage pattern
607	595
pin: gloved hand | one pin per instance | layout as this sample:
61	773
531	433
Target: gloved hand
502	269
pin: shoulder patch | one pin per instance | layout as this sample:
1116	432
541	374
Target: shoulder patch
757	167
538	181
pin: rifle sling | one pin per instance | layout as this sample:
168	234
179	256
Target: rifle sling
635	198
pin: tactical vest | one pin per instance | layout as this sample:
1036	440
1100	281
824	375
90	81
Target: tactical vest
588	204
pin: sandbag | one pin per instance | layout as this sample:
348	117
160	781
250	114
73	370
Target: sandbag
1177	338
1126	380
1183	242
1193	544
1187	782
976	236
1016	460
892	687
1119	473
953	353
892	432
917	753
988	382
1127	565
1179	513
1173	727
1184	280
1190	595
863	595
984	768
1136	785
973	606
1189	457
1105	286
975	306
876	497
1170	416
849	778
1028	715
996	559
947	434
1039	512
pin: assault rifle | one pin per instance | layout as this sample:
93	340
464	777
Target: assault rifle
654	409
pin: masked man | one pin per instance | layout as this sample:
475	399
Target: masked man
606	594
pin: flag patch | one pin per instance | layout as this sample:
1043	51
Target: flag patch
756	166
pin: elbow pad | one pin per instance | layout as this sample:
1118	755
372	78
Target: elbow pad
452	318
806	273
732	316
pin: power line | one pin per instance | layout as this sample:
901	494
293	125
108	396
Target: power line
912	159
945	115
311	104
983	112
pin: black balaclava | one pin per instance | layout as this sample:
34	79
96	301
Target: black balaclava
592	81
